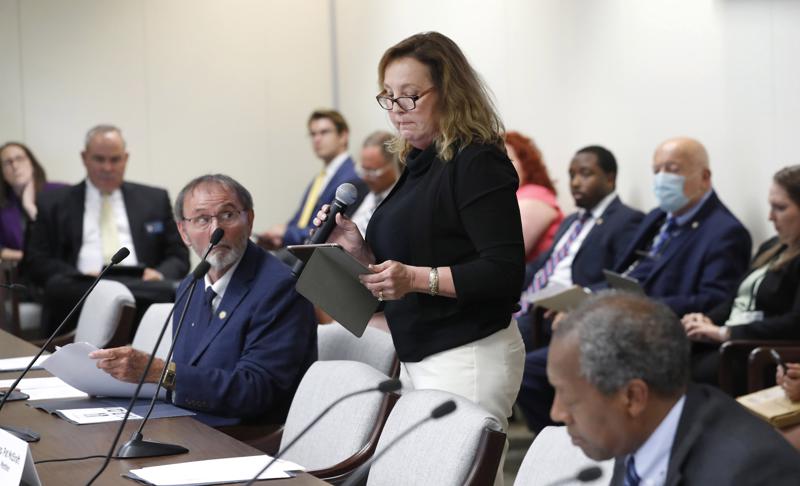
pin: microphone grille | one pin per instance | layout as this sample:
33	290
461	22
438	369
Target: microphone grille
120	255
347	193
589	474
216	236
389	385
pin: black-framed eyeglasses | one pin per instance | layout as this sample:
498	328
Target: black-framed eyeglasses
406	103
224	218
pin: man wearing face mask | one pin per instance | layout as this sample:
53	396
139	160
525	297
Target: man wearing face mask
691	251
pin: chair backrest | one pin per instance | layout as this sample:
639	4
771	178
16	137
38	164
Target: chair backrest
553	457
350	429
462	448
149	327
374	347
102	313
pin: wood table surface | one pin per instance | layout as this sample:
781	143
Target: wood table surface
61	439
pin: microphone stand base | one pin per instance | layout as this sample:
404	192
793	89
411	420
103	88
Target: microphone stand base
23	433
137	447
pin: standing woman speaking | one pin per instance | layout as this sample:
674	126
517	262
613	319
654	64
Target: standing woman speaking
446	245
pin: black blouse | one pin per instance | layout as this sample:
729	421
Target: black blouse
461	214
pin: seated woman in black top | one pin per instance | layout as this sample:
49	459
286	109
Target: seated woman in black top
446	245
767	303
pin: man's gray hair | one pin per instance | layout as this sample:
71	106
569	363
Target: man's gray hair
223	180
622	336
382	140
102	130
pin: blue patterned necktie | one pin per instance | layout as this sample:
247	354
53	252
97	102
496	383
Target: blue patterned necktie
631	478
207	311
543	275
663	237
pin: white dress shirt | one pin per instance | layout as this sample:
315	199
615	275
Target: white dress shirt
562	274
90	256
368	206
652	458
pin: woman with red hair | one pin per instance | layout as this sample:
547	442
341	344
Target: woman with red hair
536	195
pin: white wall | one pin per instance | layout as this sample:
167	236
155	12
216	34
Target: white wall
626	74
196	85
205	85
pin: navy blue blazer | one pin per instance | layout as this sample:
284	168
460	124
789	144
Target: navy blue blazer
346	173
719	442
249	360
601	248
701	265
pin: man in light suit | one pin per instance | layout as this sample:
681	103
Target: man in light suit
691	251
329	138
620	368
587	242
78	228
248	337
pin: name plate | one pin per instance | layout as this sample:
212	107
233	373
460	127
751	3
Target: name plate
16	463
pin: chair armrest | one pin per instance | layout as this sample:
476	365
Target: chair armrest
736	352
760	362
487	458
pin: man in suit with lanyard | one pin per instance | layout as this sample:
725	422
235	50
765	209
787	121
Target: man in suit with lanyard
79	228
620	367
329	138
587	242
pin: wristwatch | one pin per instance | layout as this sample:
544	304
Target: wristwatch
169	378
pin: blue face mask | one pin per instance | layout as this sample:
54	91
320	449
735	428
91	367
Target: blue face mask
668	189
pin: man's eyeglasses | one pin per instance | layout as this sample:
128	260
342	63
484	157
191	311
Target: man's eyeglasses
224	218
371	173
406	103
11	160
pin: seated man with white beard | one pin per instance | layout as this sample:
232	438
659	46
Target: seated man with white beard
248	337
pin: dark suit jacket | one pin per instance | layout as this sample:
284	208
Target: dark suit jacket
718	442
249	360
700	266
601	248
778	297
55	238
346	173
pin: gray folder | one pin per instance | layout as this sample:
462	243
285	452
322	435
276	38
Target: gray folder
622	282
330	281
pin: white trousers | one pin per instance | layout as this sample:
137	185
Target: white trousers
487	371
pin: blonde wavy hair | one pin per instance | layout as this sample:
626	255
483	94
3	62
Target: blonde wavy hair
466	111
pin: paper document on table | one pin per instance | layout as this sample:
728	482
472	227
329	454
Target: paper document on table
558	297
82	416
213	471
44	388
19	364
72	364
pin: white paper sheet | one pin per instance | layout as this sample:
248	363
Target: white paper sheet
214	471
44	388
82	416
19	364
72	364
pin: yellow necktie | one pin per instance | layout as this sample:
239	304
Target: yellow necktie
109	237
311	201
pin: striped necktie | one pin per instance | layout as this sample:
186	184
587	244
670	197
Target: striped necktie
663	237
631	478
543	275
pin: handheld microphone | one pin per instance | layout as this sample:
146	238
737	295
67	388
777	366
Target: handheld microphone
346	194
446	408
26	434
386	386
585	475
136	446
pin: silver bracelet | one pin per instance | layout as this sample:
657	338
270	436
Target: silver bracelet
433	281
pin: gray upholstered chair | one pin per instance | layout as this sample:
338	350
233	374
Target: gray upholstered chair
462	448
106	317
374	348
553	457
347	436
149	328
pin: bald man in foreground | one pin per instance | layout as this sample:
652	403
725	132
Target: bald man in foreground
620	368
691	251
